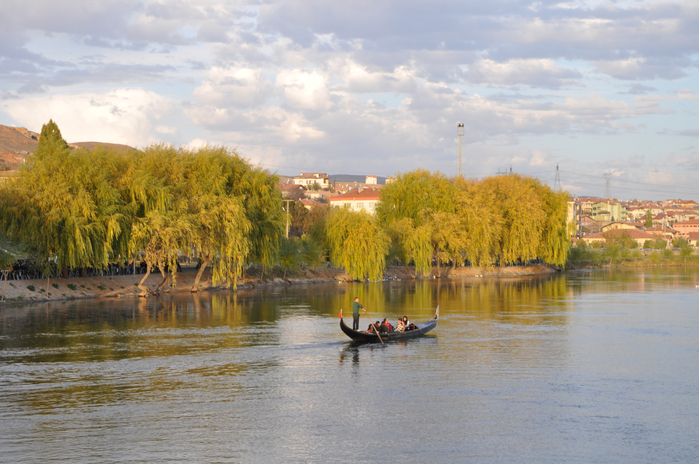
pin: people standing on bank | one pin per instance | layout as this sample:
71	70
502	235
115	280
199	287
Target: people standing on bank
355	313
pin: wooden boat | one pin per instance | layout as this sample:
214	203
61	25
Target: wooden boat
360	336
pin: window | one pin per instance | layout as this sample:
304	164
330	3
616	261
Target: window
360	205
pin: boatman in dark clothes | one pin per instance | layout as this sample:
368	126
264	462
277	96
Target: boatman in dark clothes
355	313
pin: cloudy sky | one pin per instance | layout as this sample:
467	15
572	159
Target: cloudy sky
374	87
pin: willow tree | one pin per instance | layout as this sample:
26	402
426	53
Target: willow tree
64	205
410	196
554	243
160	236
480	219
264	209
358	244
412	244
522	214
449	238
221	227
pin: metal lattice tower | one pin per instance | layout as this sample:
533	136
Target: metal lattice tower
557	182
460	133
608	185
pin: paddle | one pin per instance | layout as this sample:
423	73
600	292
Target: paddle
373	325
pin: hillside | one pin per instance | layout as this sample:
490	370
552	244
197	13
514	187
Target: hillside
16	143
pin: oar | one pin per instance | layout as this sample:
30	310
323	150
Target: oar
373	325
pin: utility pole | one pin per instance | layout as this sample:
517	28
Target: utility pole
460	133
287	217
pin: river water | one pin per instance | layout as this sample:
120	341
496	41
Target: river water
580	367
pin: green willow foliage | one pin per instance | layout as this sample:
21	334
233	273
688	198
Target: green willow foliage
89	208
498	220
357	243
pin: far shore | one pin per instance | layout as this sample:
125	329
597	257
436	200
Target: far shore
32	291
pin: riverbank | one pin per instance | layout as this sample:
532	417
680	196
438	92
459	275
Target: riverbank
22	291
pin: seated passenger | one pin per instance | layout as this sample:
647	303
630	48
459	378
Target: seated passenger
388	324
400	327
385	327
406	323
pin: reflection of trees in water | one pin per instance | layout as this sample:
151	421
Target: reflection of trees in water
520	299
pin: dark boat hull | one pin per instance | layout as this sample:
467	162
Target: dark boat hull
422	329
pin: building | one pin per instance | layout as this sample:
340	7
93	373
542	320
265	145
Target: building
357	200
310	204
619	225
309	178
684	228
372	180
292	191
638	236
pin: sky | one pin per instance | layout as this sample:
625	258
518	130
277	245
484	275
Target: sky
374	87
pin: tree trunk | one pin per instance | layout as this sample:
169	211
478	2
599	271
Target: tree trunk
64	271
4	272
205	262
166	279
144	291
407	268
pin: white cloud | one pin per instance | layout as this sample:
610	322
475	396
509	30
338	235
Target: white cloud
532	72
123	116
234	86
303	89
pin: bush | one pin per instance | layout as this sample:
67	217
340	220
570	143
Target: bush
54	285
31	287
72	287
101	287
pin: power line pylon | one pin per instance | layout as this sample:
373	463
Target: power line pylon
608	185
557	182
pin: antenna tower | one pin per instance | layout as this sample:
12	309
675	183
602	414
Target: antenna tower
557	182
608	185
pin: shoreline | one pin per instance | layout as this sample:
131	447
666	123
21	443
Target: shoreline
19	292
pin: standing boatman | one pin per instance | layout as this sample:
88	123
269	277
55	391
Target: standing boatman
356	306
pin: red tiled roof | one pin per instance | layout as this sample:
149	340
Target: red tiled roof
366	194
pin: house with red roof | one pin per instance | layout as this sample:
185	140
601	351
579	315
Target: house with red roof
358	200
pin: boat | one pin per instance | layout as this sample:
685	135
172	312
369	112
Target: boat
360	336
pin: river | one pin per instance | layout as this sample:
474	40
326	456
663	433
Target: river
598	366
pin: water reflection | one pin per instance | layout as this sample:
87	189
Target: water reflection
520	367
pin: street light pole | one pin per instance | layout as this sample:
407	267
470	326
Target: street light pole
460	133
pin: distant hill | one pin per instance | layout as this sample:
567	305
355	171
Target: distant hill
16	143
353	178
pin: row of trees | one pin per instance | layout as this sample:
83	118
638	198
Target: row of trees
425	218
84	208
81	208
